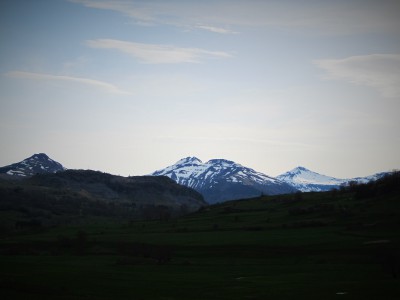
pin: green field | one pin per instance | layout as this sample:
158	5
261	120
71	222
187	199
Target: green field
329	245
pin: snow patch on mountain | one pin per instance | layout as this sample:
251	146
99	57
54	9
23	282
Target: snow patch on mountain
191	172
36	164
221	179
306	180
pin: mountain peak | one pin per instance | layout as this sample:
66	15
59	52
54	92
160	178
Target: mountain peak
36	164
299	169
220	161
189	159
302	168
306	180
39	156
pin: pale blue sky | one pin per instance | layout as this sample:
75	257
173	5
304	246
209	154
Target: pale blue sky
128	87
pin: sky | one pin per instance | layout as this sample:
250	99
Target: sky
130	87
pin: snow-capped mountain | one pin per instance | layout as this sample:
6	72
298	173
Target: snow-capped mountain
221	180
306	180
36	164
369	178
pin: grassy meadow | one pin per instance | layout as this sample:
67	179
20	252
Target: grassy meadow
332	245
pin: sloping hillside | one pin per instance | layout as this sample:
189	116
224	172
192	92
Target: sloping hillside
74	194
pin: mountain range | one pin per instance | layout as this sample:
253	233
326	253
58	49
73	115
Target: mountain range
218	180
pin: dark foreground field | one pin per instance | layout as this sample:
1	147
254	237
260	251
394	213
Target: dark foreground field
334	245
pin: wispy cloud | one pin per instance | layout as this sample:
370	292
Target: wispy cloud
326	17
216	29
158	54
45	77
142	13
380	71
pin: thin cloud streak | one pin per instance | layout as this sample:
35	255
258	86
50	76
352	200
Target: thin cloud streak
156	53
91	82
133	10
216	29
379	71
331	17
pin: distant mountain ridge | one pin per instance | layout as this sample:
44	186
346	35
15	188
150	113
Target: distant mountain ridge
220	180
217	180
36	164
306	180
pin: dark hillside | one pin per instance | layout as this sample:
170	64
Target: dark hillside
110	187
73	195
388	184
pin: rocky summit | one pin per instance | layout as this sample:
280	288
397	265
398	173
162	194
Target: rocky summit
36	164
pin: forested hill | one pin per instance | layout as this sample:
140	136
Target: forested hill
47	198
